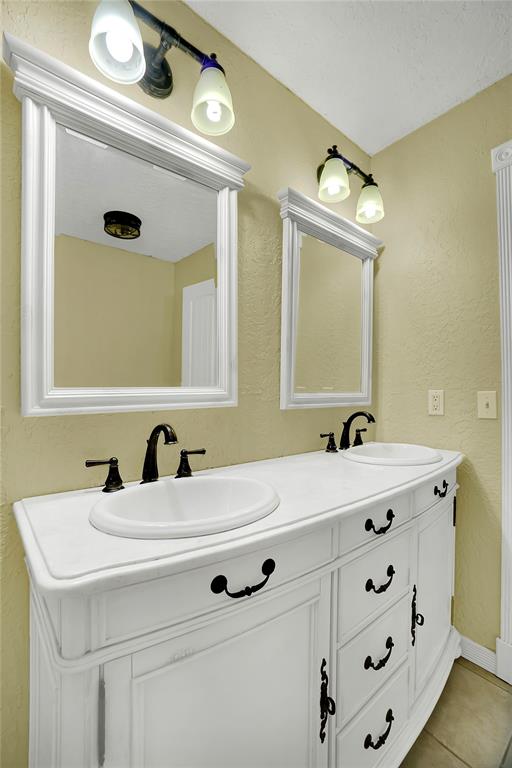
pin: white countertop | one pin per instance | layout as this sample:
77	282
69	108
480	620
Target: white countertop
65	553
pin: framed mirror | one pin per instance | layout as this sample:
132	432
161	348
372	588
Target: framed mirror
129	251
326	315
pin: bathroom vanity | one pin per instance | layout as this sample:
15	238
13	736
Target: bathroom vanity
319	635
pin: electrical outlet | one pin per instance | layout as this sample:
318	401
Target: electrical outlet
486	402
436	402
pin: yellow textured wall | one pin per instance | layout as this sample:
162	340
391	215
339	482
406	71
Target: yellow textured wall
437	322
328	347
120	306
284	140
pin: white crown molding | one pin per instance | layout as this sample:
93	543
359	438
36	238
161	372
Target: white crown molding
502	166
301	214
53	93
87	105
501	157
317	220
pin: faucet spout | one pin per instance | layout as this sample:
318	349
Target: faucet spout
150	468
345	435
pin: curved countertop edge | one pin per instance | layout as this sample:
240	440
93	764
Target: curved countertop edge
238	541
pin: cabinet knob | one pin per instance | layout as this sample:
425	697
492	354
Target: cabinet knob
370	586
439	492
370	525
220	583
368	662
369	742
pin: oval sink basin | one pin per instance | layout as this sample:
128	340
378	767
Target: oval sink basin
393	454
192	506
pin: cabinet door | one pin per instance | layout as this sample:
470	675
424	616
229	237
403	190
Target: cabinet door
236	692
434	588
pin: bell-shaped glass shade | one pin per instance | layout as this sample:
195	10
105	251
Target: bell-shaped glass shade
115	45
333	186
370	207
212	106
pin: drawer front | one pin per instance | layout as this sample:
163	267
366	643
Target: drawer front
370	659
374	523
372	581
433	491
363	744
131	611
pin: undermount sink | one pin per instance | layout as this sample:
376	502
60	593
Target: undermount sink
194	506
393	454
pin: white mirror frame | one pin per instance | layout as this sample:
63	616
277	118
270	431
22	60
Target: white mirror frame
301	214
53	93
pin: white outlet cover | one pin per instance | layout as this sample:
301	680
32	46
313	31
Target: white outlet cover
486	404
436	402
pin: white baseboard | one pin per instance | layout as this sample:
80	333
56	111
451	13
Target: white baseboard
479	655
504	660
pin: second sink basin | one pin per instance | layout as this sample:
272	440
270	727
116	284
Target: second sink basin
393	454
193	506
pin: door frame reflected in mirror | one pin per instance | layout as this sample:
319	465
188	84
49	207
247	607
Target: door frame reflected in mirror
53	93
301	214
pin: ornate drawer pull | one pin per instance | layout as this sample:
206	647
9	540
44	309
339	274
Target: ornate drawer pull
368	742
327	704
417	619
370	586
368	663
438	492
220	583
370	525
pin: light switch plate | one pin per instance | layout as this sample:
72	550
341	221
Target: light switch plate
486	402
436	402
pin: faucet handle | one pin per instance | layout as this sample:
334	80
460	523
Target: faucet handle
114	481
358	439
331	443
184	469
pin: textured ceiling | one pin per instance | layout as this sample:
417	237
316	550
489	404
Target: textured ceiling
375	70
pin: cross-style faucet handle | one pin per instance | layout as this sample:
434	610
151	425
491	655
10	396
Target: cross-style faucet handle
114	480
331	443
184	469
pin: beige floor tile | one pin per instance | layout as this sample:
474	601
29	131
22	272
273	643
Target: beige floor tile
427	752
483	673
473	718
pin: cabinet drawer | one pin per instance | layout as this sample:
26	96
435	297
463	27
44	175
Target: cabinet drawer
374	523
370	659
365	741
141	608
370	582
437	488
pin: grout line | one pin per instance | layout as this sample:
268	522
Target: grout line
448	749
479	671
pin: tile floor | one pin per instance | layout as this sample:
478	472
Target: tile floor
471	726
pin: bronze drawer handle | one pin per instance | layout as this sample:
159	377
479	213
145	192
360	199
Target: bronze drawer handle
327	704
368	742
370	525
370	586
439	492
220	583
368	663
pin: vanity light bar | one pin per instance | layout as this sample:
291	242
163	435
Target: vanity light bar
333	186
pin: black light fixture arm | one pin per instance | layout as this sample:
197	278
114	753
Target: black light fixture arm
169	37
349	165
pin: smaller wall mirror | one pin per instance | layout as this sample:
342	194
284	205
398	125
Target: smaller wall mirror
326	331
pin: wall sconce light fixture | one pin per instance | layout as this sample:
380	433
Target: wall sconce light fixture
117	50
333	186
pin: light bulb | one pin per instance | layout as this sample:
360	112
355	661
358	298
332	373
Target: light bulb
119	46
333	188
213	111
370	210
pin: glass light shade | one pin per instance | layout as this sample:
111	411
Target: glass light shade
333	186
115	45
212	106
370	207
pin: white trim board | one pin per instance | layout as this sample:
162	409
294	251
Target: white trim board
478	654
501	158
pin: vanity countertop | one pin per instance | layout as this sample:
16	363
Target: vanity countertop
66	554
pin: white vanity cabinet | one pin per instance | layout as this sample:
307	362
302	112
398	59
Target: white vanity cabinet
331	657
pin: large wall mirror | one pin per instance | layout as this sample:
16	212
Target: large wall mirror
129	251
326	331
